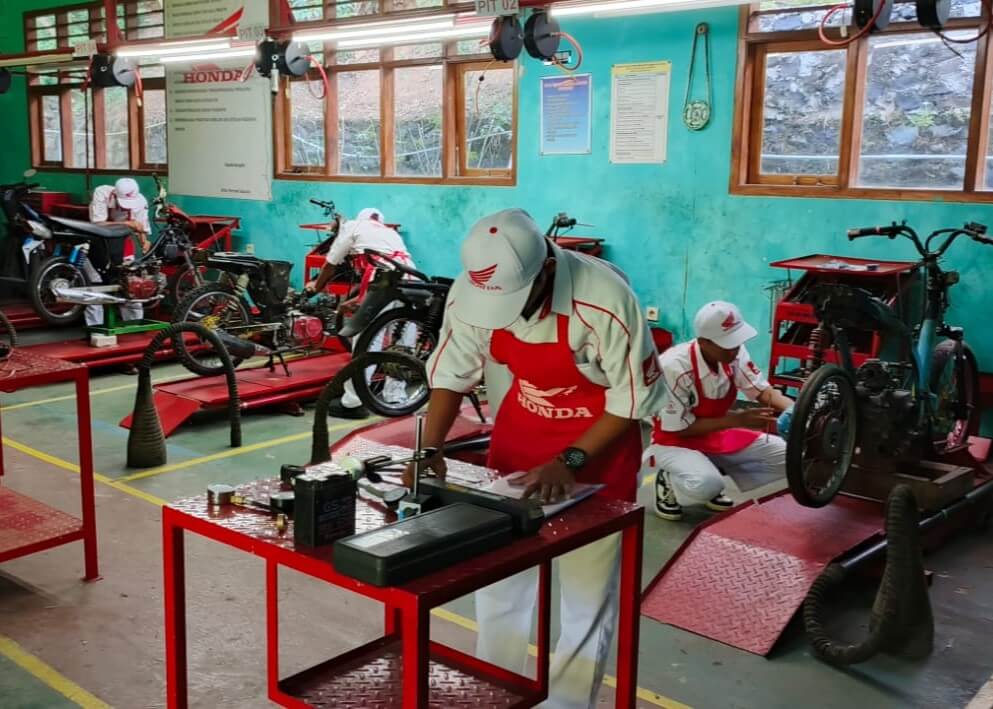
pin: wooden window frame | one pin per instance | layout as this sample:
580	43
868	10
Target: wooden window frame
453	168
461	130
749	100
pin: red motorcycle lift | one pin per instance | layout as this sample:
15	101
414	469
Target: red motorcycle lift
128	350
178	401
741	576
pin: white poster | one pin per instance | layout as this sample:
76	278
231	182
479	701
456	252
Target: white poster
219	127
639	112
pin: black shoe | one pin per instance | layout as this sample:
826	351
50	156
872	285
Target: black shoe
721	503
129	369
666	506
337	410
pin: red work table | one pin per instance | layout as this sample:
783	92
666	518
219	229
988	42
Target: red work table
404	668
26	525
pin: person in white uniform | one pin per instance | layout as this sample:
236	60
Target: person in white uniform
367	232
584	371
121	203
697	433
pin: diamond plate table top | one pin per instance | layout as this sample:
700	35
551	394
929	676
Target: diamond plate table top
558	532
25	522
22	364
375	681
741	578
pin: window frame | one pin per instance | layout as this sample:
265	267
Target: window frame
753	47
69	80
452	160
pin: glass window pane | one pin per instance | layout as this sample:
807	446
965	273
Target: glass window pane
154	130
357	56
355	8
82	129
989	155
51	122
358	123
418	51
307	10
117	146
307	123
918	97
417	101
471	47
489	119
801	114
401	5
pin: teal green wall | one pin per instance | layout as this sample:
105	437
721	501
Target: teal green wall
673	228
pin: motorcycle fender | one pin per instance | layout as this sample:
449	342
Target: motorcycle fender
372	306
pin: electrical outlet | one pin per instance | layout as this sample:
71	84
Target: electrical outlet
652	313
249	248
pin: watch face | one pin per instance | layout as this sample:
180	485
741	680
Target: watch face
574	458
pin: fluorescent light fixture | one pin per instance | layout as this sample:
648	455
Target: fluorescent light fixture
174	48
229	54
38	60
636	7
466	32
368	29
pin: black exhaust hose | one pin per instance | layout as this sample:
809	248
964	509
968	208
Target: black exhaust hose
901	620
320	447
146	441
9	328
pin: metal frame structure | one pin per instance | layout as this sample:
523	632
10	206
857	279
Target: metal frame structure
27	525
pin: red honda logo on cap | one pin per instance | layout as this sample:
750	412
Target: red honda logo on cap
481	277
729	322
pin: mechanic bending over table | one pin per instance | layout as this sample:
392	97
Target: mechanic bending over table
584	371
367	232
698	432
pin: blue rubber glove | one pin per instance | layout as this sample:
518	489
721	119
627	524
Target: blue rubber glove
784	422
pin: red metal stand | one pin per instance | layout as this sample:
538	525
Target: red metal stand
404	668
26	525
128	350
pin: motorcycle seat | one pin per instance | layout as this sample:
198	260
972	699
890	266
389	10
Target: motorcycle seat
104	231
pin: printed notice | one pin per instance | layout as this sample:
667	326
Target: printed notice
639	112
566	105
219	127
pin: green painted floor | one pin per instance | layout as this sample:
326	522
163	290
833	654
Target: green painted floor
107	636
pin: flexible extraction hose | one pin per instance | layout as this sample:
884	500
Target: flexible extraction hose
146	441
320	447
9	328
901	620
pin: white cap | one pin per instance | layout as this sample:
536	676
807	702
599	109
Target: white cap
370	213
128	195
502	257
722	324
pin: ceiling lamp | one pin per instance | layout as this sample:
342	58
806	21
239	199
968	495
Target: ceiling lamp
234	53
464	32
618	8
178	48
377	29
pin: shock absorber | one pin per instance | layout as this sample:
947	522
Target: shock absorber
816	344
432	324
240	287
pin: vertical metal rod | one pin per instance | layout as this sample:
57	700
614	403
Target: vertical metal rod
418	434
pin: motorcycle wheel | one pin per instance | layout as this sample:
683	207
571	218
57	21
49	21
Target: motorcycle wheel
216	307
42	298
184	281
392	389
955	386
822	436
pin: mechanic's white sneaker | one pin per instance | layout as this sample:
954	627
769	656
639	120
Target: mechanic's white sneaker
666	506
721	503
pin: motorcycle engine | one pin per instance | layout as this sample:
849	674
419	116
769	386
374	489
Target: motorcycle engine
307	331
886	407
142	282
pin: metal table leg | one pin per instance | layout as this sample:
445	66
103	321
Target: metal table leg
84	431
416	655
174	594
628	616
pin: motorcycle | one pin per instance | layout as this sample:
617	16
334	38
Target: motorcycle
920	398
175	247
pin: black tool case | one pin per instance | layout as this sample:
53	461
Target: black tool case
419	545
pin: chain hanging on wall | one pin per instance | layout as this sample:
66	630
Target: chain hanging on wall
696	113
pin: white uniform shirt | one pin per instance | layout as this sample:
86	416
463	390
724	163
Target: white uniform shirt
608	336
357	236
104	208
681	395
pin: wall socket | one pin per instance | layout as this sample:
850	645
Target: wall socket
652	313
249	248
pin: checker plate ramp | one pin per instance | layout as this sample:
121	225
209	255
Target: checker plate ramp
740	577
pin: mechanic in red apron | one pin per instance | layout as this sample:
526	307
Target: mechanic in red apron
698	432
582	372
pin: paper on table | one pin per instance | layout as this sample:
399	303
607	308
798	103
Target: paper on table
502	486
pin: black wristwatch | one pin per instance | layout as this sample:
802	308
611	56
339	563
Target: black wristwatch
574	458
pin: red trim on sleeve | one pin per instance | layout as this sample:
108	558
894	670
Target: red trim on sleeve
437	358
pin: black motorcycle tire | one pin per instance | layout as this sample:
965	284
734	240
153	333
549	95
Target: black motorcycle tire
371	399
71	315
184	281
188	358
968	385
795	449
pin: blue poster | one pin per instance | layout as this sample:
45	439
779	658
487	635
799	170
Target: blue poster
566	105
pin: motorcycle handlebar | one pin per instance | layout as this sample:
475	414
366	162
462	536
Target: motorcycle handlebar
890	231
325	205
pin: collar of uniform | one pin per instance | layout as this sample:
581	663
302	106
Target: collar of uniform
562	290
702	366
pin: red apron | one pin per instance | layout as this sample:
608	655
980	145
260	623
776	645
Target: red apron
548	407
730	440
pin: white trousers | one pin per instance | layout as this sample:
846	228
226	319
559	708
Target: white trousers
588	580
394	390
93	314
696	477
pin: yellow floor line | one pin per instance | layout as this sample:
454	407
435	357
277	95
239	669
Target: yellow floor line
609	680
46	674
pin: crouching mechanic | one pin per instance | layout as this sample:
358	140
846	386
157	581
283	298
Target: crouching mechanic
697	433
583	371
367	232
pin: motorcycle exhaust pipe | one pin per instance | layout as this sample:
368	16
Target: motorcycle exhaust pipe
236	347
